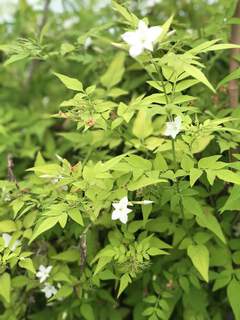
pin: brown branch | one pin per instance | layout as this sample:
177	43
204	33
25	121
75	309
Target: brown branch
10	166
233	87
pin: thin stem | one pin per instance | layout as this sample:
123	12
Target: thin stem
174	154
177	181
159	72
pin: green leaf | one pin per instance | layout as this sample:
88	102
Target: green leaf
191	205
160	163
15	58
66	48
202	46
228	176
5	286
187	163
233	290
87	311
70	255
233	201
17	205
185	84
208	162
142	126
165	28
129	17
232	76
197	74
102	262
156	252
139	162
143	182
124	282
63	292
7	226
194	175
200	258
27	264
76	216
221	46
114	72
210	222
43	226
70	83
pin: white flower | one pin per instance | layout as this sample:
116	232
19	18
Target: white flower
152	3
43	273
142	38
45	101
49	290
173	128
7	10
121	210
87	43
7	239
68	23
147	201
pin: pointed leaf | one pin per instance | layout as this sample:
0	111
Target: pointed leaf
200	258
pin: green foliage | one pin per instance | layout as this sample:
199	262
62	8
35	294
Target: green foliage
120	176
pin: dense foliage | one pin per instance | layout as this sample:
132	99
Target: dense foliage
120	172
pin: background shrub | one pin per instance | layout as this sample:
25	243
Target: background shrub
120	176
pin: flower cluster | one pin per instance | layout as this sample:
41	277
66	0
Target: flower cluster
42	274
143	38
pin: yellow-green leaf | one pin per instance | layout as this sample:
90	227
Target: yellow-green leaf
70	83
200	258
5	286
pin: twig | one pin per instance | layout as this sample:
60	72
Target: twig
83	246
10	166
233	88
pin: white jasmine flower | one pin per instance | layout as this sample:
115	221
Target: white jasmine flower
7	10
112	31
43	273
152	3
173	128
45	101
88	42
121	210
101	5
57	179
7	239
68	23
142	38
49	290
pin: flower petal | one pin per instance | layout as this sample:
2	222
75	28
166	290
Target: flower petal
7	238
116	214
136	50
154	33
123	218
148	45
142	27
129	37
123	202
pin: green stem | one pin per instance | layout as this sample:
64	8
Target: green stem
174	154
177	181
159	72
